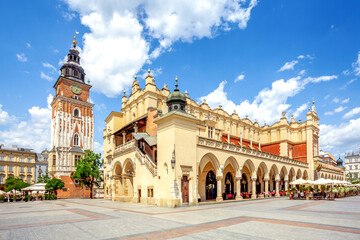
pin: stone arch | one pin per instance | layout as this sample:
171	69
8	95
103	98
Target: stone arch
292	176
232	161
117	169
273	175
129	172
283	177
129	165
209	167
305	175
209	157
262	173
231	168
248	170
298	174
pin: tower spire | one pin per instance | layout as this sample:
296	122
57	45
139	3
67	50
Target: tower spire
74	42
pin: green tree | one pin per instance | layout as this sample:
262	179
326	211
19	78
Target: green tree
54	184
353	178
88	170
43	179
15	183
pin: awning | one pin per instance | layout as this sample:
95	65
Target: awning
151	140
36	187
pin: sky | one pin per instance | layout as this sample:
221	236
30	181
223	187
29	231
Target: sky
258	58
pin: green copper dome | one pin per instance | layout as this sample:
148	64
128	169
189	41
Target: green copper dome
176	100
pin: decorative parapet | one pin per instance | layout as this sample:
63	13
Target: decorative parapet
326	167
124	148
211	143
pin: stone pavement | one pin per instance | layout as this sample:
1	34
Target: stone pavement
260	219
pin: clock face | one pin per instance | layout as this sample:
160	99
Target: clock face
58	90
76	89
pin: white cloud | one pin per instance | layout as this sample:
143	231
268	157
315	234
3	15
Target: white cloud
288	66
308	56
348	83
51	67
327	96
239	78
28	45
352	113
33	133
340	136
300	109
329	113
154	72
302	72
68	15
21	57
98	147
46	77
336	100
320	79
125	35
5	118
340	109
356	66
268	104
347	100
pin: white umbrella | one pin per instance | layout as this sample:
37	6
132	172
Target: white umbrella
310	182
299	181
323	181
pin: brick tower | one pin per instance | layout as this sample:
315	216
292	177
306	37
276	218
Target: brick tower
72	124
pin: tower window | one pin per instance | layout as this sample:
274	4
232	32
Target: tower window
54	160
75	73
75	97
67	71
76	111
77	159
76	140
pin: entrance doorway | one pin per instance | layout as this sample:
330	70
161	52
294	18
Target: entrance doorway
139	195
185	189
210	186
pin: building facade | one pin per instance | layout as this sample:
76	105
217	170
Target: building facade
17	162
352	163
164	148
41	164
72	125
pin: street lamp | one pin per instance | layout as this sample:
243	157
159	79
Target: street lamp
173	159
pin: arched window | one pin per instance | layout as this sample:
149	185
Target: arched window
75	73
76	140
210	185
76	112
67	71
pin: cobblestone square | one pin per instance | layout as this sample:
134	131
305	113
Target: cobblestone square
277	218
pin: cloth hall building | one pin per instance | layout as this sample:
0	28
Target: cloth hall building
165	149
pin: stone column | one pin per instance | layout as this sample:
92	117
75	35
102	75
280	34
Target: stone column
266	186
219	188
253	188
238	188
124	134
277	180
286	180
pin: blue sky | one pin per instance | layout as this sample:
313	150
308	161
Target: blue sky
258	57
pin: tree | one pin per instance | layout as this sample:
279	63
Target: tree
54	184
88	170
15	183
353	178
43	179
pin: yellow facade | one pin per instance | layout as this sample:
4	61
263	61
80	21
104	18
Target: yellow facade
170	157
17	162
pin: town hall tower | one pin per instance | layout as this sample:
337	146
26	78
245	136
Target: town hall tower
72	124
